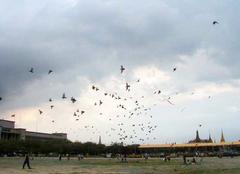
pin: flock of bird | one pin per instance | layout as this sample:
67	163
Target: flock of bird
126	124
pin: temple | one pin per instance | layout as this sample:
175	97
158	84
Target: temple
197	144
199	140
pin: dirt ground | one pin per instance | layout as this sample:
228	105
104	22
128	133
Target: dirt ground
114	166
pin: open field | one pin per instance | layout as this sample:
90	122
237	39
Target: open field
113	166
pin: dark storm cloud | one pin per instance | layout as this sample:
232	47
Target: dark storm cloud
92	38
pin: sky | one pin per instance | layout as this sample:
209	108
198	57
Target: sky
86	42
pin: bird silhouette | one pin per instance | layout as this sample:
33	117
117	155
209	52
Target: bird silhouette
31	70
127	87
52	106
82	112
13	115
215	22
73	100
64	96
0	98
50	71
174	69
122	69
50	100
40	112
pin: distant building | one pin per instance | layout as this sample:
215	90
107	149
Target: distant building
9	132
222	138
197	144
99	141
199	140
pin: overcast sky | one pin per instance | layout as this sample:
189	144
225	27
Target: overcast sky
85	42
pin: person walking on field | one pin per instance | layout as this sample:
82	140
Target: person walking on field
26	161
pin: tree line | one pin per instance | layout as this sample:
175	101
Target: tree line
55	147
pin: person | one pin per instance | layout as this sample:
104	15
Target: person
26	161
79	157
184	159
194	160
68	157
146	157
60	157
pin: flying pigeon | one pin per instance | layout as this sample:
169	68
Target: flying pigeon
64	96
100	102
122	69
82	112
50	100
127	87
51	106
174	69
73	100
215	22
13	115
50	71
40	112
31	70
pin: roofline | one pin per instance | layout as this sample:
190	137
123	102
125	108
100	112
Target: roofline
152	146
7	120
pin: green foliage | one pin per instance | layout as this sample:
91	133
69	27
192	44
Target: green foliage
64	147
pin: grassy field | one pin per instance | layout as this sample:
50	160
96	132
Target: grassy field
113	166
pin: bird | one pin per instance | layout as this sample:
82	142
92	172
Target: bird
50	100
31	70
13	115
127	87
200	125
50	71
40	112
138	80
53	121
100	102
51	106
174	69
64	96
122	69
0	98
73	100
215	22
82	112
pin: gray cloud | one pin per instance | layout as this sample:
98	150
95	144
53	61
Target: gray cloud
93	38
